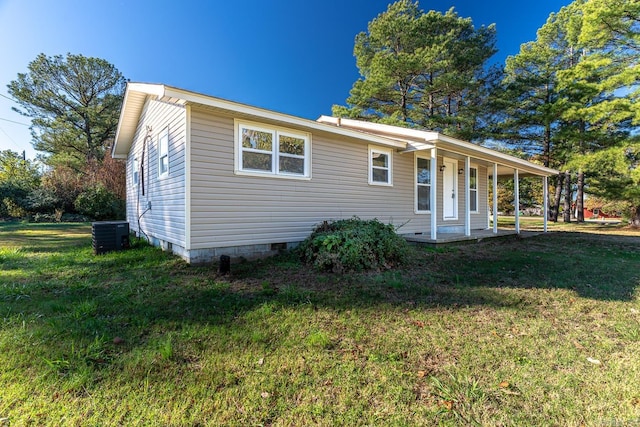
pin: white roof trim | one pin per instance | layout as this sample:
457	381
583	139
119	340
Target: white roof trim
130	115
403	139
380	128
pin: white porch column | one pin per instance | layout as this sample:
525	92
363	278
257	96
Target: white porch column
495	198
516	201
432	195
467	197
545	203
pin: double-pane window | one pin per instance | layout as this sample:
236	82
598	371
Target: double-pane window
423	184
473	189
273	151
380	166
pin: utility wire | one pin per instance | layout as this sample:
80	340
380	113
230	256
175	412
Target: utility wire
13	121
11	139
10	99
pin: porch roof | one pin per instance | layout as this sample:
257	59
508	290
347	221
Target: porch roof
420	140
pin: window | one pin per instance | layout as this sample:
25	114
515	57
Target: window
380	166
473	189
273	151
163	153
423	184
136	171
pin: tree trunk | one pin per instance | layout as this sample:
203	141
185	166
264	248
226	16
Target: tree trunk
635	217
566	215
580	198
555	206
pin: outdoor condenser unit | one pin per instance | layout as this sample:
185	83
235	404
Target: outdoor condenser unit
109	236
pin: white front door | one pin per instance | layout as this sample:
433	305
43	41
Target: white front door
450	189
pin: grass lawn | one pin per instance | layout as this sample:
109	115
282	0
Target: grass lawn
505	332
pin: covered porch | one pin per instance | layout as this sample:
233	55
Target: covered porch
452	181
465	157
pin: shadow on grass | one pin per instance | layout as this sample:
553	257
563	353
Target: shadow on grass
63	292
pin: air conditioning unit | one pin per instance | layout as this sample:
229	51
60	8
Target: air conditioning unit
109	236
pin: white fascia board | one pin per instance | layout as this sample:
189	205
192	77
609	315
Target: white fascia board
261	113
380	128
147	88
417	146
130	114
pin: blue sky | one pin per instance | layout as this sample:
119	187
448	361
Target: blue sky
291	56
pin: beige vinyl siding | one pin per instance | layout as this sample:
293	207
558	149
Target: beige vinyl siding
166	218
233	210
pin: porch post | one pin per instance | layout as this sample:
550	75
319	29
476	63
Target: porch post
545	196
495	198
432	195
467	196
516	201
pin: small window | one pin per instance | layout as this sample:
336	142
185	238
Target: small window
163	153
380	171
279	152
423	184
473	189
136	171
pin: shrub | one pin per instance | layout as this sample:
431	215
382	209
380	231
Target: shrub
57	217
43	200
99	203
353	245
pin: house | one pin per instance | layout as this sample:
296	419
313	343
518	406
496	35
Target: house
599	214
209	177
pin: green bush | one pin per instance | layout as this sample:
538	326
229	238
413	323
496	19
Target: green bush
99	203
353	245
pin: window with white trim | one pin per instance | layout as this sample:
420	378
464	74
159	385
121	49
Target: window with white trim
163	153
423	184
136	170
380	170
274	151
473	189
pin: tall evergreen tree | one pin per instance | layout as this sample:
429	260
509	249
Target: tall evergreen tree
530	102
74	105
573	91
421	70
606	110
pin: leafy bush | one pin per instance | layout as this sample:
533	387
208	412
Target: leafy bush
57	217
99	203
12	200
353	245
43	200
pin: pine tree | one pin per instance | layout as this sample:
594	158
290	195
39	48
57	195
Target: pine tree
421	70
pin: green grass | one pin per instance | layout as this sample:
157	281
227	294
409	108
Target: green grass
506	332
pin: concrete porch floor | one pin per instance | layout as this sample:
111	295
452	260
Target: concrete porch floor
476	236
